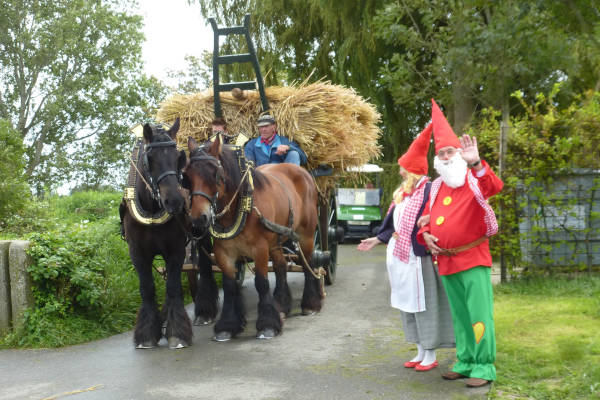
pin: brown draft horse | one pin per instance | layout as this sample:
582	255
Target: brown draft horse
279	189
160	166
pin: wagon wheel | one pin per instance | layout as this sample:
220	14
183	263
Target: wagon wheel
326	238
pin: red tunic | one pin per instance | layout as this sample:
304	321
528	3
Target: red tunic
457	219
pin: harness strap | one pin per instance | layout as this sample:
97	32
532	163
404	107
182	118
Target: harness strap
164	175
279	229
228	206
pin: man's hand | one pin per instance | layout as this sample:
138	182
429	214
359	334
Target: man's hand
423	220
368	244
282	149
470	153
430	240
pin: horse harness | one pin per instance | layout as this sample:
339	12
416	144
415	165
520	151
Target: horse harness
130	196
245	204
245	191
280	229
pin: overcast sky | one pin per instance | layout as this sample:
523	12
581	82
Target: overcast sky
173	30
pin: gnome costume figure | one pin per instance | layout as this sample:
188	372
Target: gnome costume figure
416	287
457	229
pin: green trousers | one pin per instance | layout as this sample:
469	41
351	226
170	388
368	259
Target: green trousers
472	305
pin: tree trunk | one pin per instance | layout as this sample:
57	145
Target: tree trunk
464	105
504	130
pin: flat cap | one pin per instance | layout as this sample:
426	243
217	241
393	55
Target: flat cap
265	119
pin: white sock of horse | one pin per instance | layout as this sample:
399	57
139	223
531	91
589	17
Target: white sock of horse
420	353
428	358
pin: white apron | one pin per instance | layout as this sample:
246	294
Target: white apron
406	280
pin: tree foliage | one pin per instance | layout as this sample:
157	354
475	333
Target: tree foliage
315	39
70	80
541	198
471	54
197	75
468	54
13	188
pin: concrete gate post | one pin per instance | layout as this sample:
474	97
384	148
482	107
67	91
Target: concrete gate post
20	281
5	307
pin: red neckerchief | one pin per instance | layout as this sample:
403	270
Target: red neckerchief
268	141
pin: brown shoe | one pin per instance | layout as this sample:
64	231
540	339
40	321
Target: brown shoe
451	375
476	382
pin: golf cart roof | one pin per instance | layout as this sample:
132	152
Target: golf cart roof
365	168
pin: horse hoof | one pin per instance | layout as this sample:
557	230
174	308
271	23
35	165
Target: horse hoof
146	345
308	312
176	343
222	337
201	321
268	333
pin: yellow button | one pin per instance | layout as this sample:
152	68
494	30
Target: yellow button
447	200
439	220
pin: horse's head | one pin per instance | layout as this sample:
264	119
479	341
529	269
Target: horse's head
163	165
206	178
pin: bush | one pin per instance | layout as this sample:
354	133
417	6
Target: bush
84	284
544	146
86	206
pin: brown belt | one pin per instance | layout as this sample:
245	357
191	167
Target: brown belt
454	251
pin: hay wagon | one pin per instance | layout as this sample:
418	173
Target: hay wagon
334	126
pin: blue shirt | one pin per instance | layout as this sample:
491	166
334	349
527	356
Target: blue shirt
261	153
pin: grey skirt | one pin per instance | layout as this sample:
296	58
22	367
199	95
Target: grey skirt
433	327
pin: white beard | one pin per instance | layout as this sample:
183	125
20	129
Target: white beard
452	171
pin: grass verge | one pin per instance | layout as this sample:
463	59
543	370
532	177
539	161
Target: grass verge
548	339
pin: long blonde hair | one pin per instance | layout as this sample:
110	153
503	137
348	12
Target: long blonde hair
407	185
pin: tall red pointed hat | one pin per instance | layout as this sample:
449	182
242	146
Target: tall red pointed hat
443	135
415	158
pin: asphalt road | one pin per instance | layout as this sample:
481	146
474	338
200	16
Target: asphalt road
353	349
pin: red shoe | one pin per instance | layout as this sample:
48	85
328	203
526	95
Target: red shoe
411	364
422	367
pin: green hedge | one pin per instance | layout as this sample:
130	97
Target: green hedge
84	285
544	148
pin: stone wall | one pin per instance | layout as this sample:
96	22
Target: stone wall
15	283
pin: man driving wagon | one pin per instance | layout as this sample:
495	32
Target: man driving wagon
271	148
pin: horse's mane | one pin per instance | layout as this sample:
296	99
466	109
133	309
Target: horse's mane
231	168
260	180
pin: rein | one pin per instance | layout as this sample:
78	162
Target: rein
133	164
228	206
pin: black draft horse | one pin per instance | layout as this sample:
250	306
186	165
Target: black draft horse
160	166
283	193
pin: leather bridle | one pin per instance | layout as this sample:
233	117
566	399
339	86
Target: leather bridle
201	155
145	163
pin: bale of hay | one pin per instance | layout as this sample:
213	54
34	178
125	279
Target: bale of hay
331	123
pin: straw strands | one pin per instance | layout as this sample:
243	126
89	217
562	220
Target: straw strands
331	123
